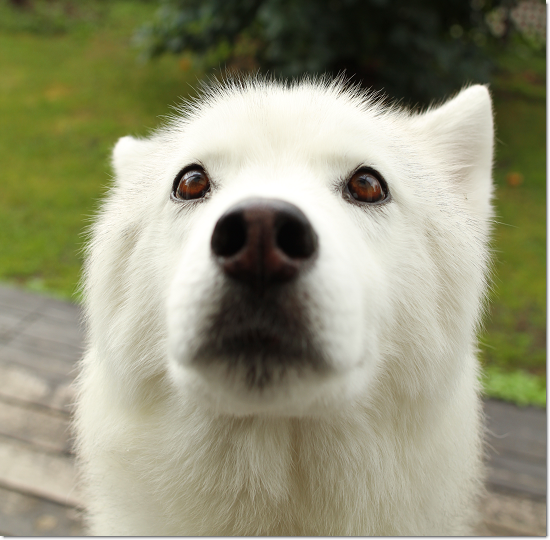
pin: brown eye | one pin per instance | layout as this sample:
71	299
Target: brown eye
366	187
192	184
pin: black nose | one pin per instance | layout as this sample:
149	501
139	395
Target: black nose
263	241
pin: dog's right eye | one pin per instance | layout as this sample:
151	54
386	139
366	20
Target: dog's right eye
191	184
367	186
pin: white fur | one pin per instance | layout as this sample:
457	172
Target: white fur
390	442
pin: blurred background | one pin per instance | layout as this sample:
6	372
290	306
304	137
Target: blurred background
76	75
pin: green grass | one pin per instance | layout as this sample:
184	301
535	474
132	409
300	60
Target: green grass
66	95
513	344
517	386
70	85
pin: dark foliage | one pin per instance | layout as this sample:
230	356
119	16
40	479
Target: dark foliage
416	49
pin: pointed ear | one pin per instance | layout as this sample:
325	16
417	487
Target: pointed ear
460	135
128	153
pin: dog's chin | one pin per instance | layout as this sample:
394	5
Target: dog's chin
254	354
255	373
297	394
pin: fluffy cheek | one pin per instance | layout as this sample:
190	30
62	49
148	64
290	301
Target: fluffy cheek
194	295
350	311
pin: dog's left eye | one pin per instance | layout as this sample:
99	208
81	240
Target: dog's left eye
366	186
191	184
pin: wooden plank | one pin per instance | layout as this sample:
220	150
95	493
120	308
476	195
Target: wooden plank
61	311
27	386
10	320
504	514
11	297
50	329
515	430
511	444
516	445
48	347
516	475
493	528
38	427
25	515
27	470
507	416
61	368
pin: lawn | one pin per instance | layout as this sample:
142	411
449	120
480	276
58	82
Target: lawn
513	344
65	98
70	85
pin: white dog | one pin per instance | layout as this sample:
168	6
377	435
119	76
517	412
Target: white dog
283	290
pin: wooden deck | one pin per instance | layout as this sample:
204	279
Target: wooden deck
40	342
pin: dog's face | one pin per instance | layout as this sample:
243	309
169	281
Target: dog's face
303	241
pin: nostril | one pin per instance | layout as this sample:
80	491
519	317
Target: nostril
229	235
262	242
296	239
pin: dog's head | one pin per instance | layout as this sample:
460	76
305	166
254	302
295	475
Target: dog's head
281	248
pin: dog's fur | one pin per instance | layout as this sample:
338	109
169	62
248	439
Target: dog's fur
385	442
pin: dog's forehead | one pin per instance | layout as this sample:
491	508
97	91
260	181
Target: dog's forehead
266	123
